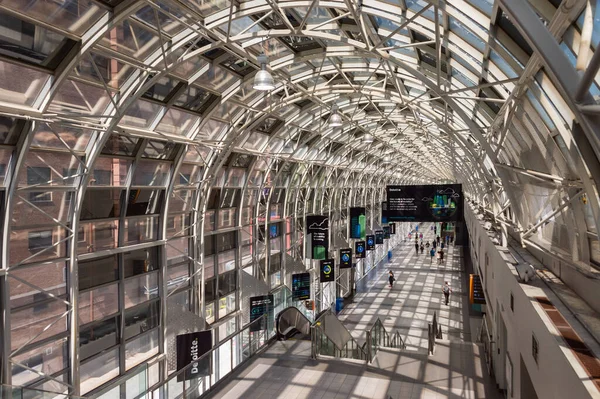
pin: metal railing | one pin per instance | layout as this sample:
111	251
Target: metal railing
434	331
11	392
213	365
322	345
378	337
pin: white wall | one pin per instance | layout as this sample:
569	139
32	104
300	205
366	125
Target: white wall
557	373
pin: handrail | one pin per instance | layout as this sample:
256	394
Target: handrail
14	392
434	331
378	336
321	344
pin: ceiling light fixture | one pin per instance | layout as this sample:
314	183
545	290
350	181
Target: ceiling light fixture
335	120
263	80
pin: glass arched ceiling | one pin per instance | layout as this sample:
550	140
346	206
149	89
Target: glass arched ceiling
467	90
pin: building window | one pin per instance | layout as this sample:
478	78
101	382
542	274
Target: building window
40	240
534	348
37	175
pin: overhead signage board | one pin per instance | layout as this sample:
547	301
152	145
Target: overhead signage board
260	306
358	222
301	286
429	203
317	228
327	271
392	228
360	249
379	237
370	242
190	348
476	294
345	258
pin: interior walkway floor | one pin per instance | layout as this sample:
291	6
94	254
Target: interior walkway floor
456	370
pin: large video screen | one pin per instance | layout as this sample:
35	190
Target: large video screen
431	203
358	222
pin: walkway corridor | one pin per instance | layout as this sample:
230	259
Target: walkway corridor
456	370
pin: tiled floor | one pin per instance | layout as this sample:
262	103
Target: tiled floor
456	370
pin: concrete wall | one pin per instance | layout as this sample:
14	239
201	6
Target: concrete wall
554	374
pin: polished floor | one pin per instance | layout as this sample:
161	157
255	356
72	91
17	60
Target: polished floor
456	370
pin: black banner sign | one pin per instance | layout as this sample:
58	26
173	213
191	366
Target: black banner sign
360	249
358	223
317	226
190	347
392	228
370	242
259	306
386	232
431	203
378	237
384	216
301	286
346	258
327	270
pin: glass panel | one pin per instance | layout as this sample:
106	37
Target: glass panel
110	172
49	277
144	202
141	319
97	338
19	85
99	370
141	230
98	271
141	289
149	173
140	261
98	303
49	358
140	349
159	150
98	236
101	204
26	324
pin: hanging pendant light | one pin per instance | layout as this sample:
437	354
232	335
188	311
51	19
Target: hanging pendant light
335	120
263	80
368	138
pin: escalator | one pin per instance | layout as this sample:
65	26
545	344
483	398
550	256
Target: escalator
290	323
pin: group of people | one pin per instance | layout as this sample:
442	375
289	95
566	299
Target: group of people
446	289
438	242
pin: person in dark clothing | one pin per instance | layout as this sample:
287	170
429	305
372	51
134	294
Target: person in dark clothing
441	259
432	254
451	239
437	239
433	244
442	245
391	278
422	248
427	245
417	247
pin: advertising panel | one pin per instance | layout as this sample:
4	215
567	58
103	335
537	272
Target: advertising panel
379	237
384	217
430	203
360	249
259	306
190	347
358	222
345	258
301	286
317	228
370	242
327	271
386	232
392	228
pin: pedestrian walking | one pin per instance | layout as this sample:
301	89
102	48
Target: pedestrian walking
391	278
451	239
432	254
427	245
446	290
442	245
433	244
441	258
421	236
422	248
438	239
417	247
